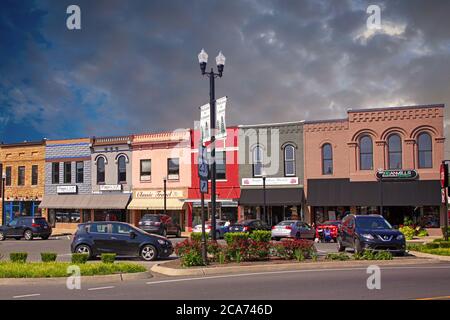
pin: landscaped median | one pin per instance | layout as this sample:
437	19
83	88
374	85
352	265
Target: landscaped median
438	249
257	253
19	268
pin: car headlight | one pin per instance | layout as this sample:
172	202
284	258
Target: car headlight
400	237
161	241
367	236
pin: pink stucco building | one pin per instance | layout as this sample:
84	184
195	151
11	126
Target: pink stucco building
342	158
158	157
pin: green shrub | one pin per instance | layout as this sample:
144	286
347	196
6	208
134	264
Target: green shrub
373	255
337	256
408	232
257	250
299	255
237	250
407	221
108	257
422	233
48	256
20	257
261	235
232	237
444	244
192	258
79	258
196	236
432	245
286	249
383	255
443	231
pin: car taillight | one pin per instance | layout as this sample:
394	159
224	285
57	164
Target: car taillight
157	223
273	227
245	229
288	227
35	225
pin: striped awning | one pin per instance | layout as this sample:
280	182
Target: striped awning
155	204
88	201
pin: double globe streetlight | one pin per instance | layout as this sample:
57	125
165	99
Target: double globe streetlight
220	61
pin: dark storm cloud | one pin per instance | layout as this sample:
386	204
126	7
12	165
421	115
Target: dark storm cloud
133	66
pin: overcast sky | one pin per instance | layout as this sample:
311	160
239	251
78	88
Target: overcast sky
133	67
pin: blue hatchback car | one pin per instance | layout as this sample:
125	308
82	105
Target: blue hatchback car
123	239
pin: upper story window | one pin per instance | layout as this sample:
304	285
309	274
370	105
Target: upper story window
55	172
327	159
100	170
173	169
34	175
79	171
425	150
146	170
67	172
365	153
221	165
394	151
289	160
122	169
21	176
257	161
8	171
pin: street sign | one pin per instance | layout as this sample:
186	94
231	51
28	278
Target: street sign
203	186
203	167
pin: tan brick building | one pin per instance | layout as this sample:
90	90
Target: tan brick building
23	165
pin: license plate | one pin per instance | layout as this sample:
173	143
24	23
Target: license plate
147	223
45	227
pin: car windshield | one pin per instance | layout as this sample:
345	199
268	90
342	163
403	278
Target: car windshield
244	222
150	217
372	223
40	221
285	223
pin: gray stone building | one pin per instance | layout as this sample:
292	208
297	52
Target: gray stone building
111	176
67	194
271	171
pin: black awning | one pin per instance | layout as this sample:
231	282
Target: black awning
274	197
342	192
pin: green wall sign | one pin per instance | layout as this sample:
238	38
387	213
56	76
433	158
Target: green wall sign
397	174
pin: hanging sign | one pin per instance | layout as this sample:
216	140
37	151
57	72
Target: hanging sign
397	174
221	128
205	123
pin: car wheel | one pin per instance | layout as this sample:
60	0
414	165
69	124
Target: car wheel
28	235
149	253
2	236
84	248
358	248
341	248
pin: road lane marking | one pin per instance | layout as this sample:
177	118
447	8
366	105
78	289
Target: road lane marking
436	298
286	272
27	295
101	288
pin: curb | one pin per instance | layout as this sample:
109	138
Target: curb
430	256
159	268
84	279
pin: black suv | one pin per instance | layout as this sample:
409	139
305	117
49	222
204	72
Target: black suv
369	232
123	239
249	226
26	227
161	224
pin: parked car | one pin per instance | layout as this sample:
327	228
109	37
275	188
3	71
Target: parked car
161	224
293	229
123	239
26	227
332	225
370	232
249	226
221	229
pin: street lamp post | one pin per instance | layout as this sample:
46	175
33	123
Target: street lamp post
165	195
220	61
3	197
264	194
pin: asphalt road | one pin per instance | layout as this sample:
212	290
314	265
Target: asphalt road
61	246
401	282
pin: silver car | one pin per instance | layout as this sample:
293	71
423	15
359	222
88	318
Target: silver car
221	228
293	229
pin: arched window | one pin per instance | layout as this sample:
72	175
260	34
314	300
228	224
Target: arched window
289	160
395	151
122	169
257	161
425	150
100	170
365	153
327	159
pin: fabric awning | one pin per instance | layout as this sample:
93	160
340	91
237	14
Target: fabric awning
342	192
155	204
274	197
77	201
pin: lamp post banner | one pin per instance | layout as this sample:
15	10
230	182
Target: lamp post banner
221	128
205	121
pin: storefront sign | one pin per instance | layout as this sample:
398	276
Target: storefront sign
66	189
111	187
158	194
270	181
397	174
